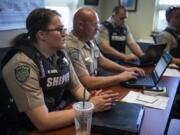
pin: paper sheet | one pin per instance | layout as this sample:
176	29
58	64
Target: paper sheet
171	72
159	103
146	98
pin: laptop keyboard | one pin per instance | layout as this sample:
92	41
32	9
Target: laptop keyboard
145	80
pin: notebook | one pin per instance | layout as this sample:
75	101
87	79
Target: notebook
123	118
152	79
151	56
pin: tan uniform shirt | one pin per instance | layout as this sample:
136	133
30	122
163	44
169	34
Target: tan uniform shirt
83	56
166	37
21	75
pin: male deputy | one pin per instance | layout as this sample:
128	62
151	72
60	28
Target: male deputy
171	35
86	56
114	35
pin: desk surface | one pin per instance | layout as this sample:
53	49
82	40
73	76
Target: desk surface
155	120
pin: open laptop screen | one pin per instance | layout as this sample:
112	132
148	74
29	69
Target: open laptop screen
160	67
150	80
153	53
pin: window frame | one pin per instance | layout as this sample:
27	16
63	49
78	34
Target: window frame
70	4
159	7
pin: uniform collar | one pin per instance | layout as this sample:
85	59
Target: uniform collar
110	20
78	43
43	53
88	45
174	29
38	48
170	27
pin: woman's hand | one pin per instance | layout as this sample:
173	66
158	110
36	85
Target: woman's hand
104	100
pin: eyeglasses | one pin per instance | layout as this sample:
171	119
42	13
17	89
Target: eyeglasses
61	30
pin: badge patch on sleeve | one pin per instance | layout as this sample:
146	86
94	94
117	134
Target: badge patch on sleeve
74	54
22	73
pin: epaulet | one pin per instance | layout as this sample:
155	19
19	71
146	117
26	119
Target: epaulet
107	24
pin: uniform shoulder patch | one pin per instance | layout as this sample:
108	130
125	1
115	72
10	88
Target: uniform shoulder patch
74	54
22	73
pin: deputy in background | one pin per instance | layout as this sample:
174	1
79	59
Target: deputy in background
86	56
114	35
171	34
38	78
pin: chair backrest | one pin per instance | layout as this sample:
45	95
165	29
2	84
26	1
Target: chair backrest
2	54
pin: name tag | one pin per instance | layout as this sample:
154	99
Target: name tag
88	60
52	71
118	38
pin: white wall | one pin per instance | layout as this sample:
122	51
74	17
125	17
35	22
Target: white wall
96	8
140	22
7	36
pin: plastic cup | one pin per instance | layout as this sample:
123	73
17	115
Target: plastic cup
83	117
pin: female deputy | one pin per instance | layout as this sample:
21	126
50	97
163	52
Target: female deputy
40	75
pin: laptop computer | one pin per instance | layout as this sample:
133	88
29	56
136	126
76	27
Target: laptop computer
151	56
122	119
152	79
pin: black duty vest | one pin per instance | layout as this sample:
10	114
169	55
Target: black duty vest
175	52
53	80
117	37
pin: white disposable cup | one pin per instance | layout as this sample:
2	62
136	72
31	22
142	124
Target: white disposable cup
83	117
